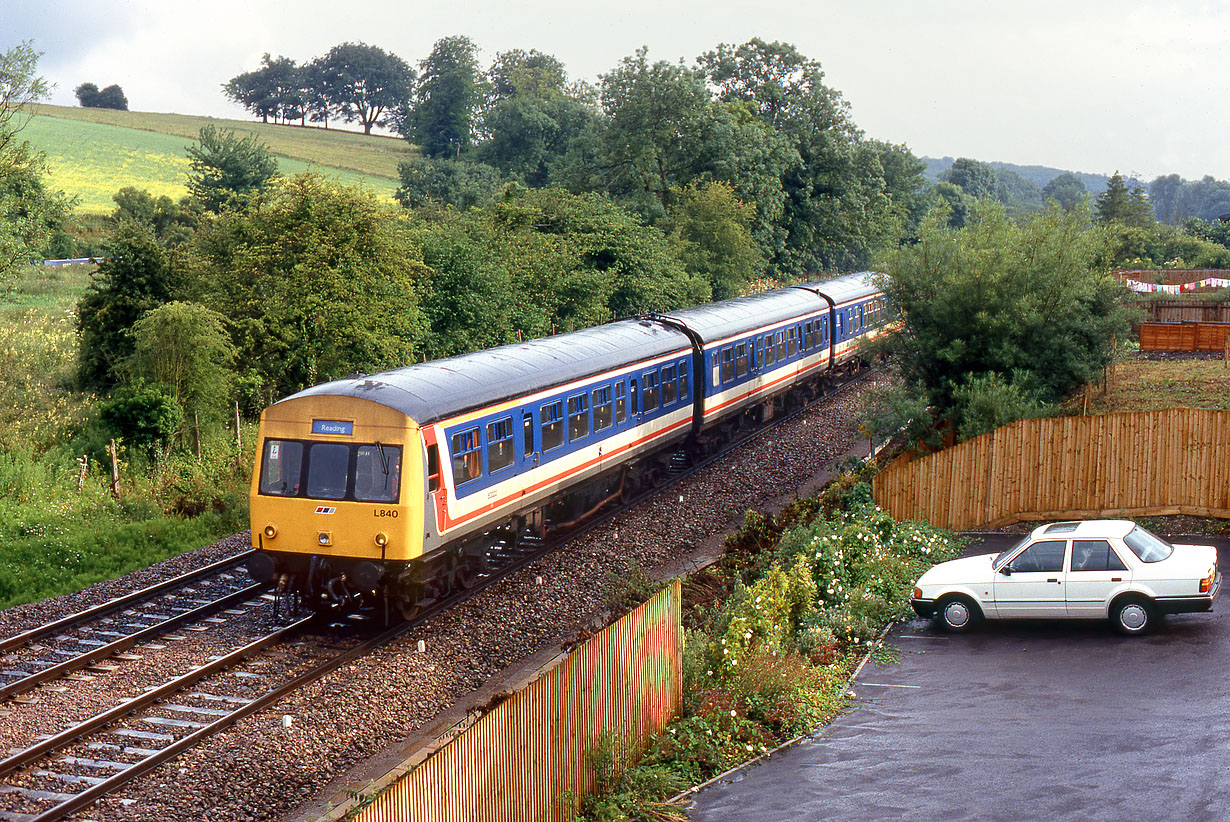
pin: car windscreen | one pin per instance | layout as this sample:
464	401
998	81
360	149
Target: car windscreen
1146	546
1003	555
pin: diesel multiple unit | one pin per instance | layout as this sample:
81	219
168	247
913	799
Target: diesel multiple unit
402	486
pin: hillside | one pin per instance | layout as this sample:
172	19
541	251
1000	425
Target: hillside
95	152
1039	175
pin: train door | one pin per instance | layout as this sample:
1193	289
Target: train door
634	402
529	451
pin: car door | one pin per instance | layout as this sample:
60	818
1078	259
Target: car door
1031	583
1096	571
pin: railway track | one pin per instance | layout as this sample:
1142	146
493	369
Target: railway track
69	771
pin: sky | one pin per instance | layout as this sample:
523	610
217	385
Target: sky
1082	85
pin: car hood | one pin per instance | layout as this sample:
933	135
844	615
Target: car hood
967	571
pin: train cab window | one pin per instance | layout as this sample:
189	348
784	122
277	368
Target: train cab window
670	385
781	345
433	467
649	389
467	457
527	433
499	444
552	416
602	407
683	380
377	473
792	341
728	364
770	356
621	403
741	360
328	470
281	467
578	417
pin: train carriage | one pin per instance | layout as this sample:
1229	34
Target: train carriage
400	487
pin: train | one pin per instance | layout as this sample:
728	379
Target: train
395	490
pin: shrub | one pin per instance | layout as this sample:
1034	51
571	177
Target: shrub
142	415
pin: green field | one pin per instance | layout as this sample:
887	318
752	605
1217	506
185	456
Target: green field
95	152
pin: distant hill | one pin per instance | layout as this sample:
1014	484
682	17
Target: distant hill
1040	175
95	152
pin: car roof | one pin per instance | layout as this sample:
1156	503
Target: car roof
1116	528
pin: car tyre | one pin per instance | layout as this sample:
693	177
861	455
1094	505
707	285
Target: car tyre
957	614
1133	616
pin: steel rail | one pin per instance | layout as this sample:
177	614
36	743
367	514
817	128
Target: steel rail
119	603
122	644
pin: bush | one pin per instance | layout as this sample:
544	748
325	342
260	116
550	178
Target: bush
142	415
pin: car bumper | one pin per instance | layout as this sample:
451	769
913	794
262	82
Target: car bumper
1190	605
925	608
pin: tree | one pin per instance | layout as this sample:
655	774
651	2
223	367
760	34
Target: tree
1067	190
1025	301
441	121
525	73
225	170
172	223
142	415
274	90
134	276
974	178
1119	203
709	230
29	213
364	83
185	347
318	281
87	95
431	183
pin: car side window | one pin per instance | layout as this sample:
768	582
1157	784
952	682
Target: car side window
1095	555
1041	556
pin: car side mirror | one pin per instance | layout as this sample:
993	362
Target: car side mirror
1006	570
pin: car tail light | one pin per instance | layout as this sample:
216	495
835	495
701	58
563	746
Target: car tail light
1206	584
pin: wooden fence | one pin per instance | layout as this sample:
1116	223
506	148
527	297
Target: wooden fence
515	763
1186	311
1184	336
1132	464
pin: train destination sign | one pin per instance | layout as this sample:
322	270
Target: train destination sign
338	428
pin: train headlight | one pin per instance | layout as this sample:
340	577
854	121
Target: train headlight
271	531
382	539
324	538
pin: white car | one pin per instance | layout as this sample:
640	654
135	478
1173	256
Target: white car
1100	569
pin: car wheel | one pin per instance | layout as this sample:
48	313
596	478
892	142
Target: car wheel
1133	616
957	614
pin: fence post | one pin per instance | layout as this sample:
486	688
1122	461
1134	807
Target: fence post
84	462
115	469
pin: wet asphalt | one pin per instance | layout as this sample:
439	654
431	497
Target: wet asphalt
1016	721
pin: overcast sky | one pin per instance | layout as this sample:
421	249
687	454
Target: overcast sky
1097	85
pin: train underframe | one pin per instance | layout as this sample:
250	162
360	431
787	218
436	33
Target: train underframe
339	586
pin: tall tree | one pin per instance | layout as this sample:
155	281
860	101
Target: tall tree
29	212
1123	204
274	90
1067	190
974	178
441	121
364	83
224	170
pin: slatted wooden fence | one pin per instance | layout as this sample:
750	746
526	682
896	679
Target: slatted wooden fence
1130	464
1190	311
1184	336
515	763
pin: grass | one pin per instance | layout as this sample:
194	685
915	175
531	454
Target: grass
95	152
1151	385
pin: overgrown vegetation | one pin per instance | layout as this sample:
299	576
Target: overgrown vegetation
775	631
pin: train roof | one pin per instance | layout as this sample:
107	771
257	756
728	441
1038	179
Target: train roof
717	321
440	389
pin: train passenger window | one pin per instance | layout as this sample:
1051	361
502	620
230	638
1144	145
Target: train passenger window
467	457
649	389
769	356
527	433
792	341
377	473
433	467
552	416
578	417
741	360
781	345
670	385
328	470
499	444
728	364
683	380
280	468
602	407
621	403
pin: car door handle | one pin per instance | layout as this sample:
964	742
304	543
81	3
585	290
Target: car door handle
1052	579
1116	579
